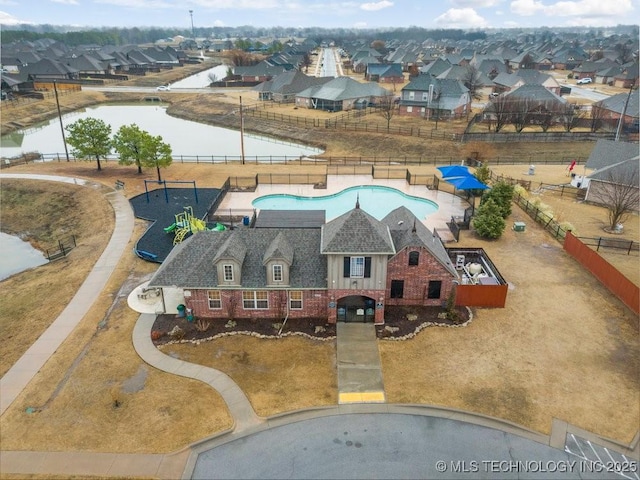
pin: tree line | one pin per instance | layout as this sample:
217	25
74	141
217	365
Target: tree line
91	139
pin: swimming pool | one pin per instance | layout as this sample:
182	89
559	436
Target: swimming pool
376	200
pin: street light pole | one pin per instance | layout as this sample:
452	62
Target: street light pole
241	132
192	31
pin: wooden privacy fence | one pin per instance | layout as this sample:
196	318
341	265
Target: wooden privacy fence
607	274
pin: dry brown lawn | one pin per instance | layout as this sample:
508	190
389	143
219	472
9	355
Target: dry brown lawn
278	375
43	213
74	392
561	348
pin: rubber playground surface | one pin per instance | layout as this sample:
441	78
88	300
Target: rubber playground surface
161	206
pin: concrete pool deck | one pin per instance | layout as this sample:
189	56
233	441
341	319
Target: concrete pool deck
448	205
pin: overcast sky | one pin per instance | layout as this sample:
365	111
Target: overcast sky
322	13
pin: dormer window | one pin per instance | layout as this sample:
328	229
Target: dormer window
277	273
228	272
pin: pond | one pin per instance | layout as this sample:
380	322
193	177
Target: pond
187	138
17	256
202	79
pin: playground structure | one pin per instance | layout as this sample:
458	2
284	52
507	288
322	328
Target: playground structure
186	223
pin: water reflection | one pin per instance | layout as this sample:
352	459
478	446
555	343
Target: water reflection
202	79
185	137
17	256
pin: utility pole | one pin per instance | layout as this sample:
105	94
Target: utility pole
624	112
241	133
64	140
192	30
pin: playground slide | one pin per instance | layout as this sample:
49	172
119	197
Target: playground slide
170	228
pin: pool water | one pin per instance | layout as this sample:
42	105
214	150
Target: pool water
377	201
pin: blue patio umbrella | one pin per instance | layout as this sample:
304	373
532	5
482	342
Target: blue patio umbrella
467	182
454	171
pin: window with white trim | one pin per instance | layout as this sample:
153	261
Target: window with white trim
215	299
255	300
357	267
227	270
277	273
412	95
295	300
409	109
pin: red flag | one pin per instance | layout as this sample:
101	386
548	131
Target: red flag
573	164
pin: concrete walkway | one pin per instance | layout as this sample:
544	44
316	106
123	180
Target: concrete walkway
27	366
238	403
359	369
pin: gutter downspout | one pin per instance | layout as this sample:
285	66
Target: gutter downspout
287	316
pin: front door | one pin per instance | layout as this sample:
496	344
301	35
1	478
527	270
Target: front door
356	308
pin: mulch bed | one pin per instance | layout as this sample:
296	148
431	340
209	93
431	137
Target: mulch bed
400	321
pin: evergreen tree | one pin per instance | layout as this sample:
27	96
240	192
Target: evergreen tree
488	222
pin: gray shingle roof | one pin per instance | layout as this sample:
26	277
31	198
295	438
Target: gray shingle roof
233	247
623	173
190	264
609	152
344	88
279	248
407	231
356	232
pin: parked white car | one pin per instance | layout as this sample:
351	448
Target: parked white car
584	81
163	88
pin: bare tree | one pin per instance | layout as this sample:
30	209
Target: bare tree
471	80
625	52
521	113
500	110
387	108
597	118
618	192
570	116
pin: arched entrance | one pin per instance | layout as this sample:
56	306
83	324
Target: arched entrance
356	308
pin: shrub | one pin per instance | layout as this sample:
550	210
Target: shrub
489	222
520	190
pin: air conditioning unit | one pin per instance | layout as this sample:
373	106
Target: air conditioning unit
459	262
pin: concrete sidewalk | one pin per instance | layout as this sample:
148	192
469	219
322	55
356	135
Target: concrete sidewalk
27	366
359	368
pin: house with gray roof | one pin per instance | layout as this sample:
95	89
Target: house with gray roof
609	111
342	93
348	269
430	97
618	183
284	87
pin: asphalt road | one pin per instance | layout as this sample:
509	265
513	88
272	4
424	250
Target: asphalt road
388	446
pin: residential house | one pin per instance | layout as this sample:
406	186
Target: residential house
284	87
261	72
610	110
342	93
628	77
430	97
349	269
384	73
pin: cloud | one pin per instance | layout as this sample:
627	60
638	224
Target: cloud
460	18
373	6
143	4
244	4
66	2
7	19
573	8
360	25
475	3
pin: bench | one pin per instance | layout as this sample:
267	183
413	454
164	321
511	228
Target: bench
119	184
147	255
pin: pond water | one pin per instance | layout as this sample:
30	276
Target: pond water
186	138
17	256
202	79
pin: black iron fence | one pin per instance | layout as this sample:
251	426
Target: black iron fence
547	221
626	246
62	249
547	159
